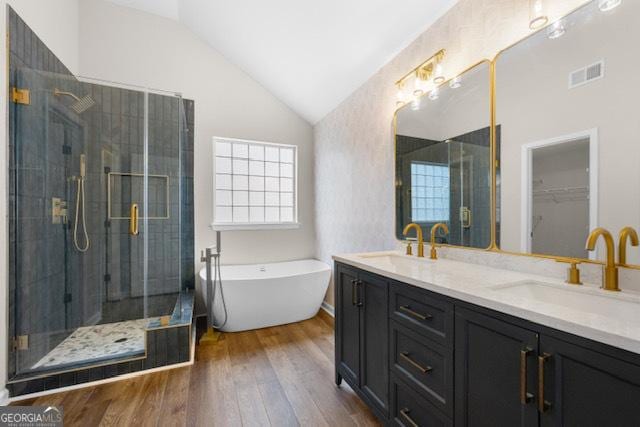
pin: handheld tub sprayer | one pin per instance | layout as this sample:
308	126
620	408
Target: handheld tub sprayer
214	279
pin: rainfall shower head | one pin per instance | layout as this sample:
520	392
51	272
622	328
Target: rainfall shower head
81	105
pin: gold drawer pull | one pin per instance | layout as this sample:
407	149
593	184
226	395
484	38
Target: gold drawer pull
543	405
405	413
407	309
524	396
419	367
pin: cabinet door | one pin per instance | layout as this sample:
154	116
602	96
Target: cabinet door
494	366
585	388
347	325
374	345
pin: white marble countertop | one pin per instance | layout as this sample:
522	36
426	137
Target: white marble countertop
478	284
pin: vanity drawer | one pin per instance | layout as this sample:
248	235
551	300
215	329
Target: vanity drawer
409	409
422	312
425	366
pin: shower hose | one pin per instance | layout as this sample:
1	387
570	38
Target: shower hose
79	195
217	280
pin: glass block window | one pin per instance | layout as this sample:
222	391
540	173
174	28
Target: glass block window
429	192
255	182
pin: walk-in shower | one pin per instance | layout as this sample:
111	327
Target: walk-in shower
101	223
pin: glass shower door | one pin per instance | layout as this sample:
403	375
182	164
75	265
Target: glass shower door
469	165
78	171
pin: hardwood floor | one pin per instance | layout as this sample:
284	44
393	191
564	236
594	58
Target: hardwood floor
279	376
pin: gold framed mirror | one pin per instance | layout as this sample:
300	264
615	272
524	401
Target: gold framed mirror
568	132
443	159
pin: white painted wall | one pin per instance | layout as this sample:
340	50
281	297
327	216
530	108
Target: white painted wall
57	23
129	46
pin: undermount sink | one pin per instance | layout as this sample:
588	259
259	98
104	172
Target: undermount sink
586	300
394	260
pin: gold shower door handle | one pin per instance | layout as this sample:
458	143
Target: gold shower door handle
465	217
133	220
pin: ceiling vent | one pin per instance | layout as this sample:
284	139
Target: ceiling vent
586	75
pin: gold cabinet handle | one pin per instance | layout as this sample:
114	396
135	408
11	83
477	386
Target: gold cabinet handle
525	397
407	309
405	413
354	284
543	405
415	364
133	220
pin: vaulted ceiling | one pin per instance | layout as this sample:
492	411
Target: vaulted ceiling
310	54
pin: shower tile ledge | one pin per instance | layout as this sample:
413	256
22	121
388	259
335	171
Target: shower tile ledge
475	284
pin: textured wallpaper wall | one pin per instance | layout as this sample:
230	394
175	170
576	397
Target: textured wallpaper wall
353	150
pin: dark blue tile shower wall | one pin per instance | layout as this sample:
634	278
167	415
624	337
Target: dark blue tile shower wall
105	283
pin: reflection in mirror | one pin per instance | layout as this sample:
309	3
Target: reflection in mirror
443	160
567	116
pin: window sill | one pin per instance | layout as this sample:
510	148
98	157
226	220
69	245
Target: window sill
247	227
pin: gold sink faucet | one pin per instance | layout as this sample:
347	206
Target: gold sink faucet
610	271
434	230
625	234
419	235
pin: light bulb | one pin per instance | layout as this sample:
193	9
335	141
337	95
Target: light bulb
537	16
556	30
419	85
439	75
455	83
400	96
434	94
415	104
607	5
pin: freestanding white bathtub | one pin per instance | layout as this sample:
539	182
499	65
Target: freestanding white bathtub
262	295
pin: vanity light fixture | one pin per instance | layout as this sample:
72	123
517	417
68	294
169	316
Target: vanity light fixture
434	94
556	30
537	16
455	82
439	75
415	104
419	85
607	5
422	77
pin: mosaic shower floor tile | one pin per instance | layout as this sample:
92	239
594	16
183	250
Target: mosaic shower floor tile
100	342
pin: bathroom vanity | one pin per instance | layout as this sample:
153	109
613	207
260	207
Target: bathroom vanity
449	343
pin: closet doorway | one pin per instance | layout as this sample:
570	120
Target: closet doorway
560	203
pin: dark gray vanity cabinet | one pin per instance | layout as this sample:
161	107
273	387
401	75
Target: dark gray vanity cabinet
362	335
513	372
418	358
347	325
582	386
495	373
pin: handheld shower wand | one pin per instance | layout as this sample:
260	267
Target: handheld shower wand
80	195
214	279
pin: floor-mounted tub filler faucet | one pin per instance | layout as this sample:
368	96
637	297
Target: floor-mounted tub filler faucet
214	279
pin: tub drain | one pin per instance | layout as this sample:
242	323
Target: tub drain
120	340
